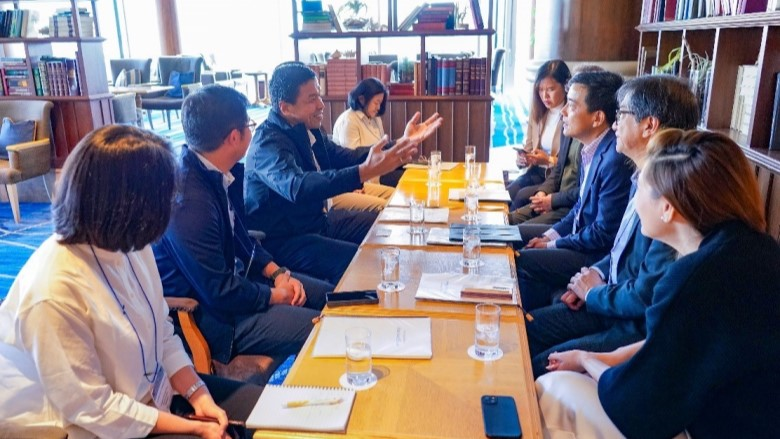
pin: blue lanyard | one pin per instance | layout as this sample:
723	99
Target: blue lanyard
122	307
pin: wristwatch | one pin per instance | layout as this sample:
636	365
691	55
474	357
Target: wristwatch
193	388
278	271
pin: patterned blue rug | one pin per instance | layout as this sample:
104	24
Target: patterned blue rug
19	241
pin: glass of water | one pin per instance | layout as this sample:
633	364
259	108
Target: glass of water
470	160
471	201
435	161
471	247
416	216
390	260
358	353
486	330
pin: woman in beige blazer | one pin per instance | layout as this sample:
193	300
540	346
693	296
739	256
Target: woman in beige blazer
543	135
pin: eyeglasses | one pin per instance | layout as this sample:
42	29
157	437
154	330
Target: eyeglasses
620	113
252	125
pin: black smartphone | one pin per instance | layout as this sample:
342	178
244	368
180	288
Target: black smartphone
520	149
368	297
499	414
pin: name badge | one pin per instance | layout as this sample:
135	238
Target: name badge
162	392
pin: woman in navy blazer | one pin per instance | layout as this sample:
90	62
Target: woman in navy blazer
709	363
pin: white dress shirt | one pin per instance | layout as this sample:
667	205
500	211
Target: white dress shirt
69	357
353	128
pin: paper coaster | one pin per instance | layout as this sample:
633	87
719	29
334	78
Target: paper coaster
473	354
345	384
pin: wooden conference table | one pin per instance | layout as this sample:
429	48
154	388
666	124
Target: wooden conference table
440	397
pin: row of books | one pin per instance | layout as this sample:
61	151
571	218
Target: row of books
13	23
455	76
61	24
51	76
667	10
439	16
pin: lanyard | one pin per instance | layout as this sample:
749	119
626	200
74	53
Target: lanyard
124	312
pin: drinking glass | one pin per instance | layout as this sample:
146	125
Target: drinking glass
471	247
433	195
471	201
435	160
470	160
486	330
416	216
358	354
390	259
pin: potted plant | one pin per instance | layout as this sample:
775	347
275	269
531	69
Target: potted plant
355	10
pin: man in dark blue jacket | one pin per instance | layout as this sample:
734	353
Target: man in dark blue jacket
586	233
617	290
248	303
293	169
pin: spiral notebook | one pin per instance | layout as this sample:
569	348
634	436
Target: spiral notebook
323	409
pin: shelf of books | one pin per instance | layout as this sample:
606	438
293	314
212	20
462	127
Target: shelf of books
431	57
53	51
730	53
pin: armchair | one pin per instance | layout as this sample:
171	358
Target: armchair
144	65
256	369
30	159
166	65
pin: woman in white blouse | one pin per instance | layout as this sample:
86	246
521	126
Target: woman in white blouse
85	343
361	125
543	135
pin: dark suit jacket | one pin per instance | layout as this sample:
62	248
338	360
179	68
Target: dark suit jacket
602	205
710	362
562	197
283	191
198	255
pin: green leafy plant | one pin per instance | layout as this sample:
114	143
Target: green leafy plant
354	8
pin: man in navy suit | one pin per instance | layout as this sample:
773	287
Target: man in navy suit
604	306
586	233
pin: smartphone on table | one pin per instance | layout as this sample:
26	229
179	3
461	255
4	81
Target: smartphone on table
499	414
365	297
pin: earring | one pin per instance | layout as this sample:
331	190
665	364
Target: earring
665	218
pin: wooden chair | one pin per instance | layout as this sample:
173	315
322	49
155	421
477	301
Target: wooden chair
255	369
30	159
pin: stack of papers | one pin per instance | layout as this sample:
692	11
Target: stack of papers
450	286
401	214
445	166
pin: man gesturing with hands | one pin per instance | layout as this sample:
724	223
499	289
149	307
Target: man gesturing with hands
293	170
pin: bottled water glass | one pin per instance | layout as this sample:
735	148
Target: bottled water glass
471	247
358	354
390	269
470	160
416	216
486	330
471	200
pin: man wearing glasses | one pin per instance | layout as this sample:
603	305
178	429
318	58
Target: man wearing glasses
585	234
604	305
249	305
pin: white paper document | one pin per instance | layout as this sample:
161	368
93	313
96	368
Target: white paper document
448	287
391	337
445	166
441	236
488	192
401	214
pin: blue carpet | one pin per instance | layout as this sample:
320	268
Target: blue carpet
509	119
19	241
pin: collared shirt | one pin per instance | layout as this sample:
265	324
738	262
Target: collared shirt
312	140
624	232
354	128
587	153
227	180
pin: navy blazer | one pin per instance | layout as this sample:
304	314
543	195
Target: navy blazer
552	184
283	191
602	205
710	362
200	256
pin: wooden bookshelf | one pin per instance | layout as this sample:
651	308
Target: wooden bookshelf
730	41
72	116
474	109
